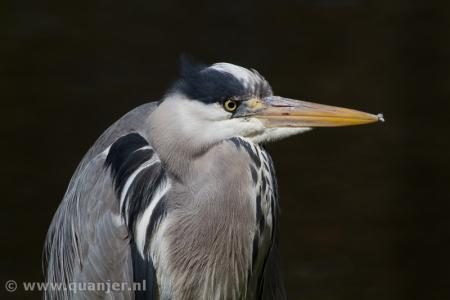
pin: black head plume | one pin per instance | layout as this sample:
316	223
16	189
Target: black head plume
209	84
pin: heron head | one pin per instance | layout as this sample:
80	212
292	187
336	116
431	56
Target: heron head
216	102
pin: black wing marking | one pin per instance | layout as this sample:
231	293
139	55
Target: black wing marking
138	176
144	274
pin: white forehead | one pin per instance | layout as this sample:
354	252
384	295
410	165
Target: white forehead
244	75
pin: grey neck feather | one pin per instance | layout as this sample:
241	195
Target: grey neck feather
176	137
183	129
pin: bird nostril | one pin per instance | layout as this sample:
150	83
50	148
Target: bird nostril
281	105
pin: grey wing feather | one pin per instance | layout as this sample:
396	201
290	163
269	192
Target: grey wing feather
87	239
272	285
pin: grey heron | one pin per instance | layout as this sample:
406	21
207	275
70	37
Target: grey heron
180	194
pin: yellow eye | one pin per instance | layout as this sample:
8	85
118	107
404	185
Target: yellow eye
230	105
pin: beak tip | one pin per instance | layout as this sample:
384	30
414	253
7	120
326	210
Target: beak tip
380	117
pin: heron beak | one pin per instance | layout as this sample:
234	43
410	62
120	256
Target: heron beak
282	112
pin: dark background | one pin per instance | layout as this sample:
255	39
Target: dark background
365	209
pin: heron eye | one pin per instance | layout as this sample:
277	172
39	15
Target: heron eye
230	105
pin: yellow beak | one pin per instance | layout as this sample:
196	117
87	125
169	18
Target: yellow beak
281	112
